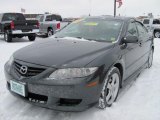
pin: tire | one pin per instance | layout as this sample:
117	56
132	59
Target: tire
157	34
32	37
150	59
7	37
110	89
49	33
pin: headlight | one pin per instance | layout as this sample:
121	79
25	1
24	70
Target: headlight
72	73
10	61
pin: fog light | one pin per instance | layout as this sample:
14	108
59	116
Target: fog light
92	84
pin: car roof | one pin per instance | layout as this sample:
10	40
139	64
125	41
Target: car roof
112	17
11	13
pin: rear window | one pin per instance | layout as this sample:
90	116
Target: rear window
146	21
156	21
13	16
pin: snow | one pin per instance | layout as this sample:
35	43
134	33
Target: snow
140	100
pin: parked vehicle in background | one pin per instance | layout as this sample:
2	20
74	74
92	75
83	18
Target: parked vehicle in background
14	25
49	23
153	25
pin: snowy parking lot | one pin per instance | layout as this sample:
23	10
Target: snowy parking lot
139	100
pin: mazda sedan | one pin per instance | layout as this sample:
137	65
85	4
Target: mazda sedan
85	64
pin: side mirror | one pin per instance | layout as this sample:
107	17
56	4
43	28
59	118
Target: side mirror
130	39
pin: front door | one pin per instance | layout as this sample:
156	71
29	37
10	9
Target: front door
145	43
132	51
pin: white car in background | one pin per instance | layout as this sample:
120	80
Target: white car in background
153	25
49	23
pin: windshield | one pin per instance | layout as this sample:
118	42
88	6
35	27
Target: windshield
40	18
13	16
92	29
146	21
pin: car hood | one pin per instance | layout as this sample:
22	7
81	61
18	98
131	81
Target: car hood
58	52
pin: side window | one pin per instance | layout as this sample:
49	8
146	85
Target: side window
59	18
156	21
41	18
48	18
141	29
56	17
132	30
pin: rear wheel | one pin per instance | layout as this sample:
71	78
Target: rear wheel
157	34
32	37
110	89
50	33
7	37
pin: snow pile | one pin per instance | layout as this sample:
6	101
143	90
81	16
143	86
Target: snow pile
140	101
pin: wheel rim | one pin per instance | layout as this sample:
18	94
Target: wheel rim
49	33
150	58
157	34
112	88
109	94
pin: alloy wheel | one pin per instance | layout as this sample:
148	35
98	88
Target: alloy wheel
110	92
157	34
50	33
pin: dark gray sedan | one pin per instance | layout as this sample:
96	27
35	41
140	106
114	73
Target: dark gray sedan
85	64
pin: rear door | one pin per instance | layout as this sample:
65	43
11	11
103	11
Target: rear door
47	23
41	21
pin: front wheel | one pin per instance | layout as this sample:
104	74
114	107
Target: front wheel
32	37
110	89
7	37
150	59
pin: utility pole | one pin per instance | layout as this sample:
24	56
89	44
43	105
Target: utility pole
90	9
114	8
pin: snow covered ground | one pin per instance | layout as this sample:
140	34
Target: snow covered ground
139	101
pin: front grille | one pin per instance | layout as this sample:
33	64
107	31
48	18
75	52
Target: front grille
31	71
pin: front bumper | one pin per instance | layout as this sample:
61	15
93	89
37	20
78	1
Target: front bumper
21	32
76	97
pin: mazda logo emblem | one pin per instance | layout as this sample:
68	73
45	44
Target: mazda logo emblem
23	70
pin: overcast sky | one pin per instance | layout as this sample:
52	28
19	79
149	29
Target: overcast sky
76	8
